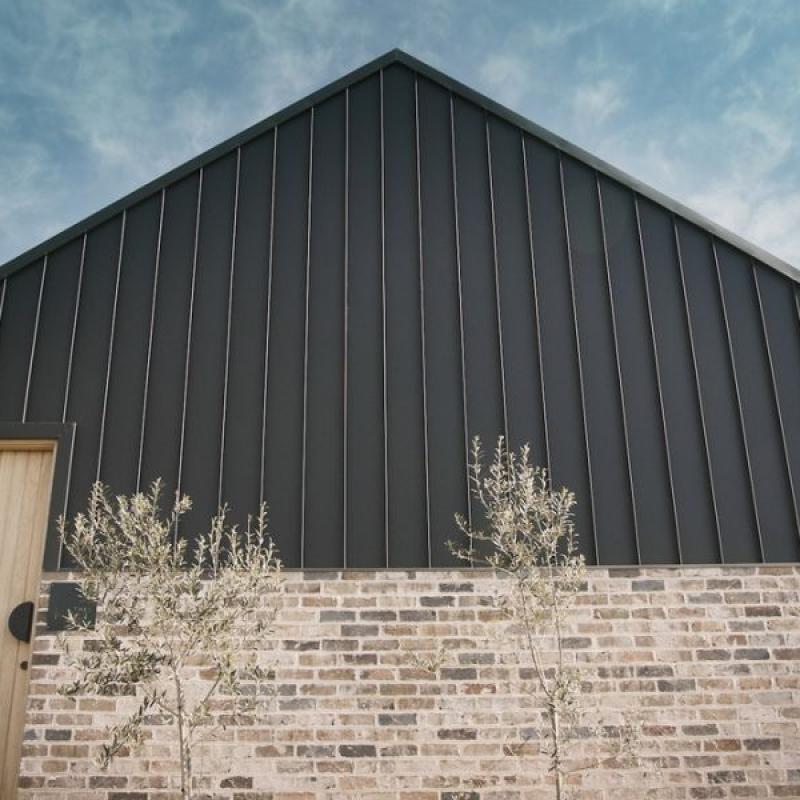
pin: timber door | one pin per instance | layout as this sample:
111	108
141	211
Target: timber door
26	476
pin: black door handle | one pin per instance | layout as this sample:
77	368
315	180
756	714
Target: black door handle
20	621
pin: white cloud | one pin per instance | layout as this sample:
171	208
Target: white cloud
775	220
128	92
123	92
657	6
735	169
599	100
507	77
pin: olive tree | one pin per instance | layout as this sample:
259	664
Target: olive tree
165	611
529	538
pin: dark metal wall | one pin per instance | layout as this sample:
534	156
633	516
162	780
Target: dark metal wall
323	316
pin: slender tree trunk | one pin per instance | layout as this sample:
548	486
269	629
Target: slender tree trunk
556	757
183	747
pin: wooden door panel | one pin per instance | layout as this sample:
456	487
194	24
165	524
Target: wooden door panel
26	472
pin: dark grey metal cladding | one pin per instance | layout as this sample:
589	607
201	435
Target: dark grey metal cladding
560	366
366	474
125	401
405	434
323	478
518	318
730	474
56	319
483	377
86	389
443	342
324	314
283	465
241	460
163	401
775	503
19	304
643	404
604	412
683	417
207	352
782	329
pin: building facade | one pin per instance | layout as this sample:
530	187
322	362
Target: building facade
324	311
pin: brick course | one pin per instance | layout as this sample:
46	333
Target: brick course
709	657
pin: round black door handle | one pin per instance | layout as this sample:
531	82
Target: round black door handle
23	665
20	621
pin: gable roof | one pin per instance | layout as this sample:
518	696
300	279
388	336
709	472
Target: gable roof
284	282
401	57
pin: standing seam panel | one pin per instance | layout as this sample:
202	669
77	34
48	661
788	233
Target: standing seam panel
742	430
775	397
578	354
654	345
111	345
422	323
228	329
189	335
33	341
615	337
146	391
460	308
697	385
529	215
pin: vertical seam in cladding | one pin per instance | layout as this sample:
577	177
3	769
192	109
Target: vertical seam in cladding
612	308
33	341
796	293
698	387
658	375
268	315
78	291
228	329
67	384
190	324
383	317
303	454
146	392
111	344
775	397
496	278
2	304
345	318
534	288
742	428
460	314
422	320
578	354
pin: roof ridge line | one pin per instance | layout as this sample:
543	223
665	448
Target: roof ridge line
397	55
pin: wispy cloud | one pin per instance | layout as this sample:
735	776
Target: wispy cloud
598	100
700	101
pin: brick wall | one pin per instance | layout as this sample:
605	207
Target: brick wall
709	657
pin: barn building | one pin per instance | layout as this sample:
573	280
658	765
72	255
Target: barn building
322	311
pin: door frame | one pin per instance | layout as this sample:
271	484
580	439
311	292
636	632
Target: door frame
63	435
56	441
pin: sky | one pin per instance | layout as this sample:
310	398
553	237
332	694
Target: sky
700	99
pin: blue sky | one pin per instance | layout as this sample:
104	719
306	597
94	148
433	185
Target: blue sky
698	98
